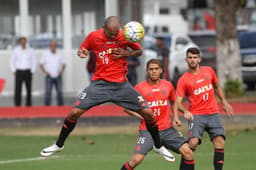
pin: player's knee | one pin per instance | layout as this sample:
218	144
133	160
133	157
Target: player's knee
186	152
136	160
219	142
193	143
147	114
75	113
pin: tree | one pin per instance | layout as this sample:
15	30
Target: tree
228	51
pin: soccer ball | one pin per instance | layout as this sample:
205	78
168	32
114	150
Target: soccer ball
133	31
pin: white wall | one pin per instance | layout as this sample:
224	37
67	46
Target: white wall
174	21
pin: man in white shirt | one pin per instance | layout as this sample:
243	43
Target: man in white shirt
53	64
23	65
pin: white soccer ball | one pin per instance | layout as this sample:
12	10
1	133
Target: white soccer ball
134	31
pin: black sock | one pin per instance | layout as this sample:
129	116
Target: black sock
218	159
126	166
67	127
153	130
187	164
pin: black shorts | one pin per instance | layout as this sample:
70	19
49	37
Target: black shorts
209	123
170	138
100	91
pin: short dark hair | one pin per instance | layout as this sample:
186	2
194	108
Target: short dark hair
160	38
193	50
154	61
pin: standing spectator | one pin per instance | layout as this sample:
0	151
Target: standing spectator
209	21
53	65
163	56
23	64
200	85
133	62
91	65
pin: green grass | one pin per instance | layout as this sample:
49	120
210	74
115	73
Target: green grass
110	151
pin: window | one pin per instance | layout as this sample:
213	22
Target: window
164	11
165	29
182	41
247	40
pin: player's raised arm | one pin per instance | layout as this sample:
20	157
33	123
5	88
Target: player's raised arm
135	53
119	53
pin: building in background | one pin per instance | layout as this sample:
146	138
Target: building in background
42	20
200	15
66	21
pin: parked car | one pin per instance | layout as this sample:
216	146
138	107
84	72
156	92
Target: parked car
7	41
177	44
206	40
247	42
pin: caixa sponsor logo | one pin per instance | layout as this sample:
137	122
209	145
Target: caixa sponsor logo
157	103
108	51
203	89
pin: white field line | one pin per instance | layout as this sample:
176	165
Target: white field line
24	160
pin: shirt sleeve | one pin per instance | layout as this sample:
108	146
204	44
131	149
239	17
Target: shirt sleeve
181	89
63	58
87	44
172	93
136	87
214	76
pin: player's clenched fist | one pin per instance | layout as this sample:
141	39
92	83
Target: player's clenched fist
119	53
188	115
82	52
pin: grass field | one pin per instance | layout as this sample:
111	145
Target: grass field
110	150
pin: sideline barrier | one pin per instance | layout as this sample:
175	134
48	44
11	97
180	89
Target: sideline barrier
97	111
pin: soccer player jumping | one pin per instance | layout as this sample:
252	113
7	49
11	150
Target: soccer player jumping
199	85
160	95
109	82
